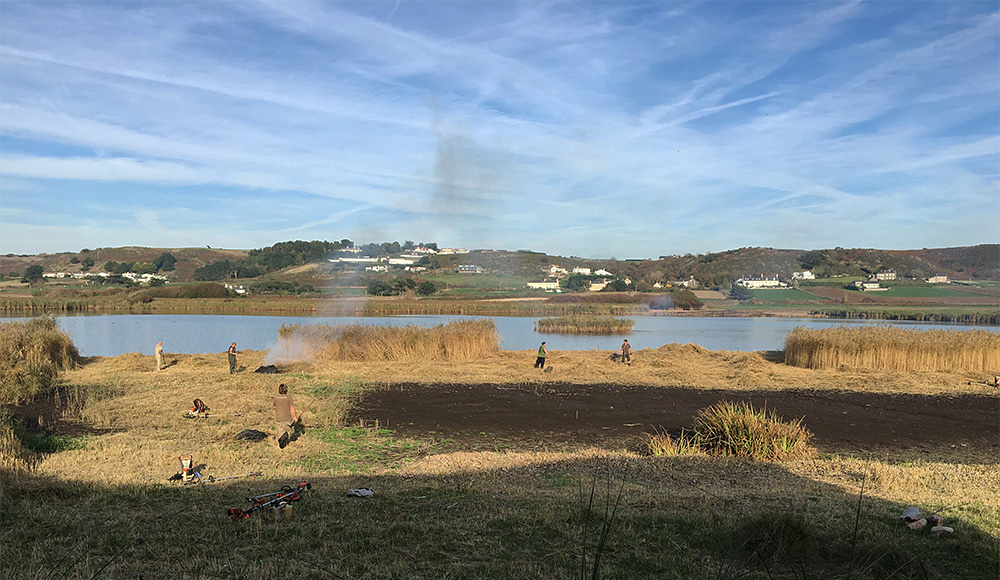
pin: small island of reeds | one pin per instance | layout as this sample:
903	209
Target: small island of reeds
585	325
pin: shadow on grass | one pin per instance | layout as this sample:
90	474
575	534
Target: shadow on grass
676	518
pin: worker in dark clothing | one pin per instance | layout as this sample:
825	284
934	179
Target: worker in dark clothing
232	359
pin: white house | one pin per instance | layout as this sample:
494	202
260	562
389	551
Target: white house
938	279
544	285
804	275
401	261
885	275
469	269
581	271
602	272
597	285
868	285
423	250
760	282
555	271
377	268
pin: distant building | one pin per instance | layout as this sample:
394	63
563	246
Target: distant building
423	250
469	269
885	275
581	271
402	261
602	272
805	275
868	285
554	271
377	268
544	285
597	285
938	279
760	282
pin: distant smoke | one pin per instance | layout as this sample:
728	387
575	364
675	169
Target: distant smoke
661	302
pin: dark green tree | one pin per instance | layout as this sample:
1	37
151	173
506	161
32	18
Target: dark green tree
426	288
32	275
165	262
741	293
380	288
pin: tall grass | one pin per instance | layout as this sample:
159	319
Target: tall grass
31	355
463	340
585	325
17	460
737	430
885	348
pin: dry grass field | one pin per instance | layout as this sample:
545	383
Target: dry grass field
98	504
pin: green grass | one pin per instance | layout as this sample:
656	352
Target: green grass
495	282
360	450
924	292
785	294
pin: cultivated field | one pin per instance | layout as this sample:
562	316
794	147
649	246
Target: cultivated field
483	467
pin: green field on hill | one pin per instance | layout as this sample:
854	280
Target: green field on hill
785	294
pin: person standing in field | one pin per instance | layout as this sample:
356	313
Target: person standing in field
626	353
232	359
540	361
284	416
159	355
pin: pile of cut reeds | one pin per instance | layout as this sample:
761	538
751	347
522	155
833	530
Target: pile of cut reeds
886	348
462	340
585	325
31	355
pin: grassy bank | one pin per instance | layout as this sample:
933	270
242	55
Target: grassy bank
585	325
894	349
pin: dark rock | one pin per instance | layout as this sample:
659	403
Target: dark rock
267	370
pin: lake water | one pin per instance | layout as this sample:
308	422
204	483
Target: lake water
115	334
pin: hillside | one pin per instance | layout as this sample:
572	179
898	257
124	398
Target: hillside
711	270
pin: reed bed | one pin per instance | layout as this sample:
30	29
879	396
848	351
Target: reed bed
31	355
886	348
463	340
923	315
585	325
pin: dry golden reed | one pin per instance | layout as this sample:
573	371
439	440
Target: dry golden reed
462	340
886	348
31	355
579	324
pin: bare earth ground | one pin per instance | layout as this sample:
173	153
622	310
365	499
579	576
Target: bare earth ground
964	428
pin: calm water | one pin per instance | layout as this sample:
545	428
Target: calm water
114	334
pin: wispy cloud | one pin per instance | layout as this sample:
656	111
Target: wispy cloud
598	128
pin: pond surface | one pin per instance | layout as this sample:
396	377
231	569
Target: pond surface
115	334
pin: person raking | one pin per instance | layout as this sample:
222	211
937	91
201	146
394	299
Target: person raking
284	416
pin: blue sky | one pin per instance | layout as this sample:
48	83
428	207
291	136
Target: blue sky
592	129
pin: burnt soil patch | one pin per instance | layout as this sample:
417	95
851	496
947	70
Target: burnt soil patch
961	428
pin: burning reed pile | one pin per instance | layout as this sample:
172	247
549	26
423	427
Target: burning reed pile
463	340
886	348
